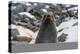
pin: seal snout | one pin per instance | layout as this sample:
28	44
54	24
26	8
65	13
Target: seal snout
47	18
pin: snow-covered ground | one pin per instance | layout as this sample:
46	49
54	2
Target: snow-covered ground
72	31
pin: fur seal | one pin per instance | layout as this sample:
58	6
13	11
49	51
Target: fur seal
47	32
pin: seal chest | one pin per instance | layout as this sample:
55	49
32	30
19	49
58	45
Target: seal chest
47	33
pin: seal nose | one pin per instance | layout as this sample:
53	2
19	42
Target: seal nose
48	17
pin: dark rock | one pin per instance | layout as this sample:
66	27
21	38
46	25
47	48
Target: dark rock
61	30
62	37
75	24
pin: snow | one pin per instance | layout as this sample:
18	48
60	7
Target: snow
28	14
57	16
54	4
67	18
35	4
13	26
64	11
46	6
72	31
68	24
28	4
67	5
75	11
74	8
44	10
72	34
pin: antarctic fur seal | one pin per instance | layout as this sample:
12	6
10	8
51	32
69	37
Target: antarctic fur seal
47	32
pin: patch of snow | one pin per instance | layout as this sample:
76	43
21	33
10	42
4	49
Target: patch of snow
28	14
67	5
54	4
57	16
72	31
35	4
75	11
67	18
64	11
28	4
72	34
59	33
68	24
44	10
46	6
74	8
13	26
